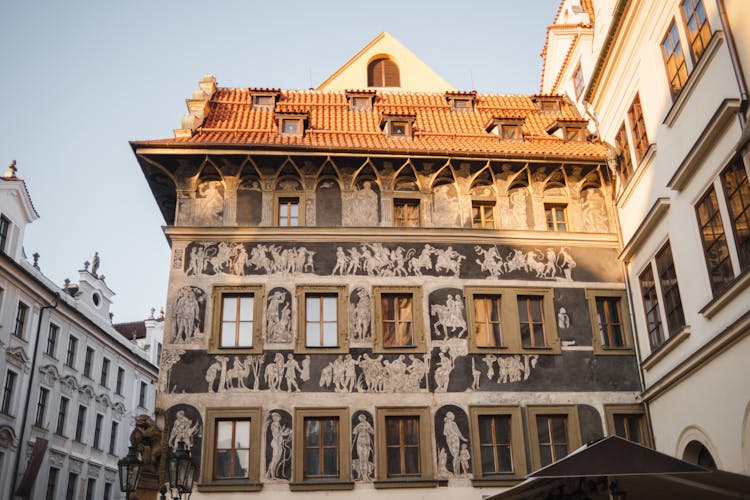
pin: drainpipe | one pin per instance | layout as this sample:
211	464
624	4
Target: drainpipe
14	477
736	65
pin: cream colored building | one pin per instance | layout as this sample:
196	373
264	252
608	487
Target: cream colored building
668	90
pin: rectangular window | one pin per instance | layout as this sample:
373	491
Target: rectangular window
237	319
498	442
105	372
90	488
578	83
41	407
399	128
288	215
670	289
574	134
406	213
483	215
98	431
51	483
320	320
120	376
531	320
107	491
625	165
158	353
697	28
113	439
54	331
321	448
674	60
263	102
628	422
397	319
734	181
715	247
70	491
651	308
554	432
360	103
557	216
70	357
487	320
80	423
8	389
142	395
231	444
62	415
88	361
638	128
610	320
511	132
4	230
20	323
402	446
232	449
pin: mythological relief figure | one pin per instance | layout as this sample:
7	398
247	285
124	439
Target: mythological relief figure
169	357
445	206
360	315
218	370
563	320
518	208
475	376
281	445
363	434
183	429
374	259
233	259
447	355
450	316
515	368
547	264
187	315
594	211
278	317
209	202
364	207
376	374
453	439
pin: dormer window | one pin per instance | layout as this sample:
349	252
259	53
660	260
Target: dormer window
574	134
547	104
360	101
569	130
264	99
506	130
291	125
397	127
461	101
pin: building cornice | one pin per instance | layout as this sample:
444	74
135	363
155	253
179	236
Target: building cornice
655	215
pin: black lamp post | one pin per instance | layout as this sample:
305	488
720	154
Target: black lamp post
180	472
129	468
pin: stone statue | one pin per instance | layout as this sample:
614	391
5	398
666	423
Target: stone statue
146	437
95	265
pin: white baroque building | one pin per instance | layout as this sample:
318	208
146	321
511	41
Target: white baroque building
665	83
72	385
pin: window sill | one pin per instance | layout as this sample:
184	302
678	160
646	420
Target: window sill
18	338
485	482
727	295
405	483
614	351
339	349
679	102
321	485
668	346
236	350
230	486
7	415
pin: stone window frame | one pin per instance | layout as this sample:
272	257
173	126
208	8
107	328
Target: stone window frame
298	119
71	352
627	329
548	104
278	196
51	345
427	477
259	298
21	320
484	203
418	330
342	318
9	392
387	122
554	205
88	362
344	480
252	482
573	429
257	95
518	445
409	198
360	97
699	35
611	410
466	100
510	321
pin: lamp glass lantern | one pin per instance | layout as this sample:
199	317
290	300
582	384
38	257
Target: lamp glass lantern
180	469
129	468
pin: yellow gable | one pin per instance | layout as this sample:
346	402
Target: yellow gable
386	61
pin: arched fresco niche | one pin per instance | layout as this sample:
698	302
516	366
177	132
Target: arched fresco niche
188	315
365	199
483	200
406	179
185	424
593	205
209	197
452	442
521	214
249	200
363	446
328	198
278	442
445	208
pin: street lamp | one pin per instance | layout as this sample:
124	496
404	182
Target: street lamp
180	472
129	468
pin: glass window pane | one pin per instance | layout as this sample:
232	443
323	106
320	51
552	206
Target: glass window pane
485	429
313	308
224	434
542	429
330	432
246	308
502	429
312	432
488	459
545	454
330	462
313	334
394	461
329	309
294	210
505	463
223	463
411	460
246	335
330	338
392	431
312	462
558	428
229	311
227	334
411	430
241	463
242	434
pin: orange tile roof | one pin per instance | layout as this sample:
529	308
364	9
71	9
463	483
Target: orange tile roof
333	126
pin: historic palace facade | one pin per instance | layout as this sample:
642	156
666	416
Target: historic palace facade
388	283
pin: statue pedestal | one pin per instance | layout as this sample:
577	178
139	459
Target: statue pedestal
148	486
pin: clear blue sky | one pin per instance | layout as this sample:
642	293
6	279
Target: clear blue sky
79	79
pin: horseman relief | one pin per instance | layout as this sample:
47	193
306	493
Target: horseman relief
546	264
376	259
447	314
237	259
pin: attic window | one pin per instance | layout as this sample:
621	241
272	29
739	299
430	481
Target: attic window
461	101
383	72
569	130
574	133
549	105
264	100
397	127
291	125
506	130
360	101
